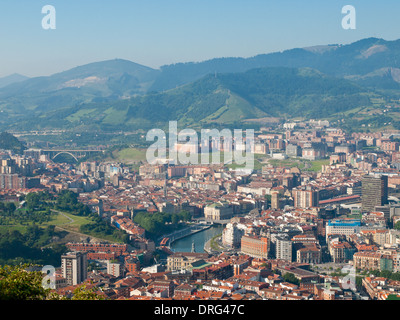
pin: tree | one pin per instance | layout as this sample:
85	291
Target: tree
290	277
16	283
10	142
20	283
84	293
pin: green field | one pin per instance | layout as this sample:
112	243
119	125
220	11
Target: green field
316	165
77	116
69	221
287	163
64	220
302	164
114	116
134	156
130	155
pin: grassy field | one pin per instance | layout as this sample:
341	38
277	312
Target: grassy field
130	155
287	163
68	221
17	227
59	219
133	156
302	164
316	165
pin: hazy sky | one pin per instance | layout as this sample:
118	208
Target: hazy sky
158	32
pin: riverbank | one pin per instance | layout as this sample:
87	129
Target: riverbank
183	233
211	246
199	239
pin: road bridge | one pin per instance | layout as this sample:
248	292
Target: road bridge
76	154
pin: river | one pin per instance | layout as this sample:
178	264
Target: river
199	238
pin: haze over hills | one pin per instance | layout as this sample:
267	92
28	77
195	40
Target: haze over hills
318	81
111	79
348	61
12	78
227	98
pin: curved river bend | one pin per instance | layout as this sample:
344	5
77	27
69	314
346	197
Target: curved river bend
199	238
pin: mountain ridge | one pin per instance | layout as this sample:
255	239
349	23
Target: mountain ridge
12	78
370	64
222	99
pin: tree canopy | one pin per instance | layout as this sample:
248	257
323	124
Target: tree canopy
19	283
160	223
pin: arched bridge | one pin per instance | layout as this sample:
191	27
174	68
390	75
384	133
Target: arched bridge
76	154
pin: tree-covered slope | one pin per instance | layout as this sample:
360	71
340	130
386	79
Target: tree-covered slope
222	99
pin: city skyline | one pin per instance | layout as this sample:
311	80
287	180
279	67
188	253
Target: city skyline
161	33
102	197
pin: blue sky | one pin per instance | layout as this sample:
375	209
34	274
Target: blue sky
158	32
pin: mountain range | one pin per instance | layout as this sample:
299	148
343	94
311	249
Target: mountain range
319	81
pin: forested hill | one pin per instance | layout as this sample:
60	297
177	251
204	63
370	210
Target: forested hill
317	81
221	99
9	142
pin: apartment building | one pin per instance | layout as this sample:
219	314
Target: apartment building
305	198
116	269
166	286
283	247
15	181
74	267
341	251
368	260
293	150
394	255
254	246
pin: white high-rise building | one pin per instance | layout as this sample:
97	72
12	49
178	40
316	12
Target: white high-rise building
74	267
283	249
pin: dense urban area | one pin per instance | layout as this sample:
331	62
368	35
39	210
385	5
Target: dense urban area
317	219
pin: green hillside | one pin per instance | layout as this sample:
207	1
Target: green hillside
322	81
9	142
221	99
